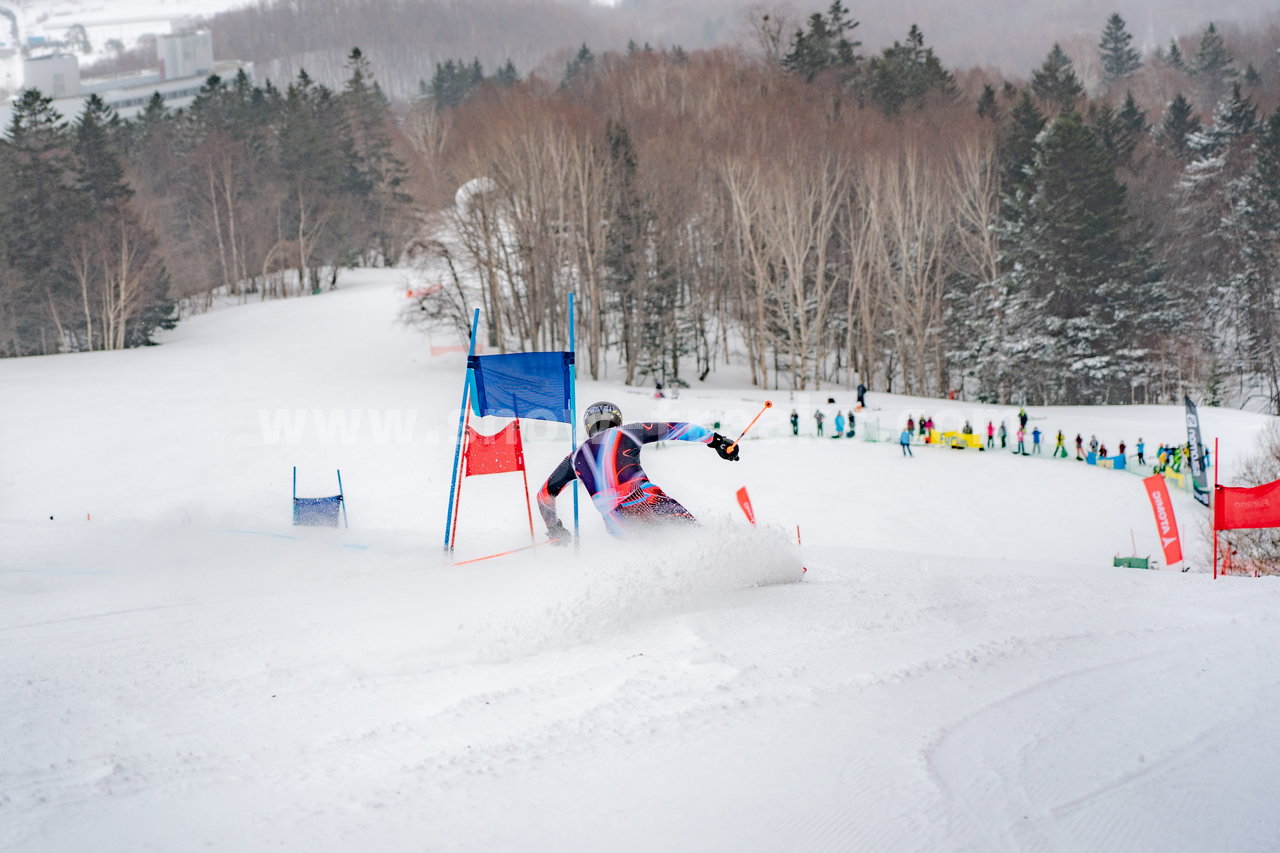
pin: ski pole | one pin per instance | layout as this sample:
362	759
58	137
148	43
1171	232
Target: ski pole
767	404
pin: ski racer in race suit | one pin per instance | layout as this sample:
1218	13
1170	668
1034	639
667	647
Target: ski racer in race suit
608	465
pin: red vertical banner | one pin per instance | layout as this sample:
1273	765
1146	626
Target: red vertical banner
1166	524
744	501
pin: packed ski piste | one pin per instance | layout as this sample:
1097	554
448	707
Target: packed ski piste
971	662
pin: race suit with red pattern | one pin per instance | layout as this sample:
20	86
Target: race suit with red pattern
608	466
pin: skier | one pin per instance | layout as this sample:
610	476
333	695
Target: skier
819	417
608	464
839	424
991	435
1035	440
1022	417
795	422
1142	459
1004	436
1022	447
1079	447
1093	446
853	424
1060	449
905	440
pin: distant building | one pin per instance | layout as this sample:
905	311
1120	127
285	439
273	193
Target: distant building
184	63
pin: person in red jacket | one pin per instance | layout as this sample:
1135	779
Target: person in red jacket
608	466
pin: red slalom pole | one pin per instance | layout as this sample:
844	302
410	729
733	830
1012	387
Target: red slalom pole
767	405
500	553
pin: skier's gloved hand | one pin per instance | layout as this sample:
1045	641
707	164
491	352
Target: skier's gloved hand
726	449
558	534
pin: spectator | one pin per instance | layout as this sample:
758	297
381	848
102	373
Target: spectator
1079	447
839	424
1141	448
991	435
1102	451
1022	448
795	422
905	440
862	395
819	417
968	429
1121	450
1093	446
1004	436
1022	417
1035	440
852	424
911	424
1060	446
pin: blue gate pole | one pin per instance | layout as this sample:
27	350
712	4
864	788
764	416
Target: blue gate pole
573	415
457	450
342	500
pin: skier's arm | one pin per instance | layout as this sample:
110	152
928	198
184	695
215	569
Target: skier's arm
649	433
561	477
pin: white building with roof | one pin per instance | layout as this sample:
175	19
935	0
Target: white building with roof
184	63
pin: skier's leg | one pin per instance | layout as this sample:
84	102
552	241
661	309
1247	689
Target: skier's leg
648	505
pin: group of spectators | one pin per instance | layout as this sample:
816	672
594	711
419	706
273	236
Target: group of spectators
845	427
1168	457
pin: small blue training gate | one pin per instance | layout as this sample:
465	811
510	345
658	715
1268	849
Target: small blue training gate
318	512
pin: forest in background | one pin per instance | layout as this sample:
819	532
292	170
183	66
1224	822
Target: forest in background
817	211
405	39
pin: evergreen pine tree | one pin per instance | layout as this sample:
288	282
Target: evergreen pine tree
1080	281
1119	59
1256	219
906	74
1235	117
988	107
1213	64
1119	131
1175	58
1177	126
1207	257
383	173
34	218
1055	83
826	45
453	82
1017	150
99	169
579	68
507	76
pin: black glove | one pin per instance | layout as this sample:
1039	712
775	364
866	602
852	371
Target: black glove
726	449
558	535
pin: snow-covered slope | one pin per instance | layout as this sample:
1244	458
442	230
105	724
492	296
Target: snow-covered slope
960	669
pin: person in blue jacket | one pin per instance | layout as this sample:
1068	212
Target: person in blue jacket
608	466
905	441
839	424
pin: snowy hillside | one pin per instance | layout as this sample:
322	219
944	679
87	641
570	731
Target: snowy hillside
961	667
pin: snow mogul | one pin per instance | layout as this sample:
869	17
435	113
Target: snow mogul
608	465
